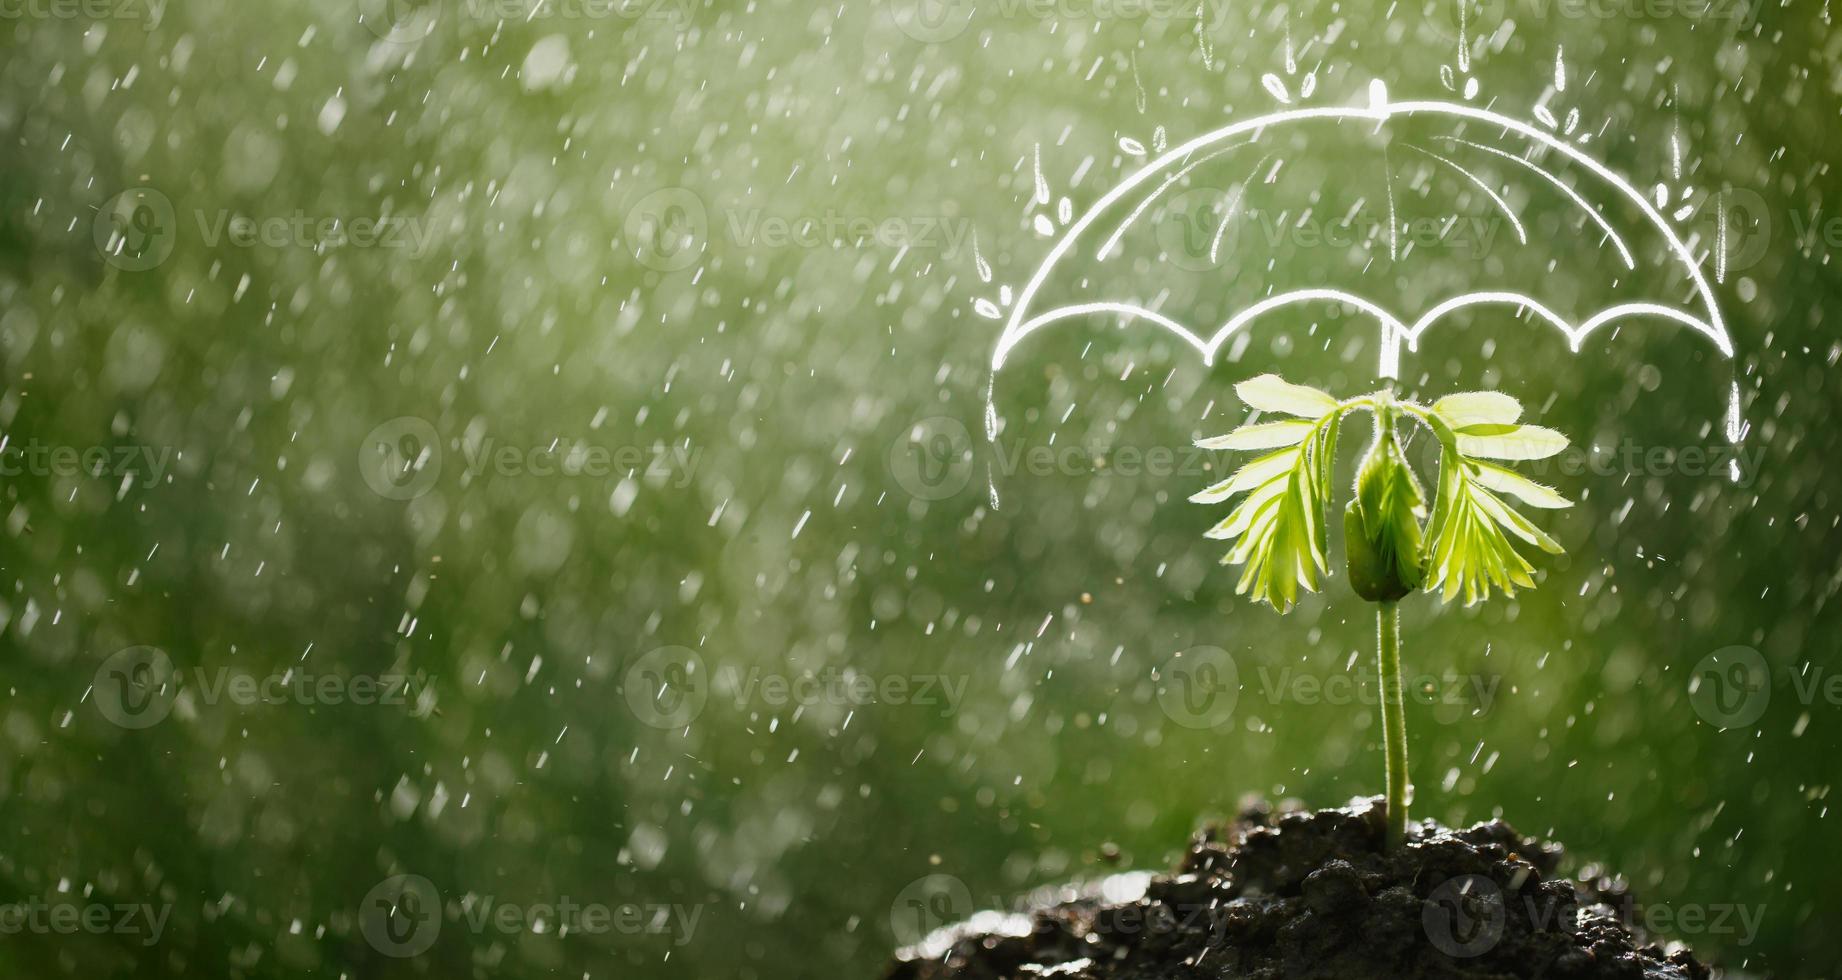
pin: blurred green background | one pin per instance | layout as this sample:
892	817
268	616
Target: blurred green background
707	270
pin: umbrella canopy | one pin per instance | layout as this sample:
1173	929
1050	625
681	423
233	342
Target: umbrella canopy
1409	215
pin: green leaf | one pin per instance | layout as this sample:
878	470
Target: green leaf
1470	551
1505	480
1251	508
1249	476
1475	407
1277	530
1271	393
1516	442
1266	435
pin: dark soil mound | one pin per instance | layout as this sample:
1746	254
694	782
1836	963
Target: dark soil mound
1311	896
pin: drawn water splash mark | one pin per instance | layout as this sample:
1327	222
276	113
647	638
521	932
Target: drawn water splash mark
1023	316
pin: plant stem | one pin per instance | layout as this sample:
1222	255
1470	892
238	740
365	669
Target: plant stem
1394	722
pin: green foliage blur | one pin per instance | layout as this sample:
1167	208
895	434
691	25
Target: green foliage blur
667	292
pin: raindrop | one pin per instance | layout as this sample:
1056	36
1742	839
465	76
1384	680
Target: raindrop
1131	147
1464	38
1042	184
1720	238
1276	87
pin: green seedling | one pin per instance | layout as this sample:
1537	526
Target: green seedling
1393	545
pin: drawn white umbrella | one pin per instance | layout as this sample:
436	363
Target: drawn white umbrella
1646	267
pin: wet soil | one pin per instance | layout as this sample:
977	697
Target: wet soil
1296	895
